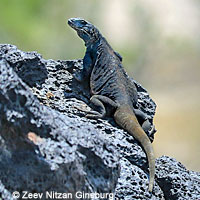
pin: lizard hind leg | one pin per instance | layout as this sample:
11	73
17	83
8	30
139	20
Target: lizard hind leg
98	105
98	102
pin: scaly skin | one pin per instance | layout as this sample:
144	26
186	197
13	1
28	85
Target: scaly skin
111	90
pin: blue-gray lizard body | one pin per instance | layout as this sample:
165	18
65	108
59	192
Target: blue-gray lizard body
110	87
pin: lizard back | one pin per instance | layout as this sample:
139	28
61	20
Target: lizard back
108	77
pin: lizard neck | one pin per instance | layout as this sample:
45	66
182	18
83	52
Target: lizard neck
96	46
93	41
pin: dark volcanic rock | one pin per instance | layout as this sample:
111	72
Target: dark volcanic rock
46	143
176	181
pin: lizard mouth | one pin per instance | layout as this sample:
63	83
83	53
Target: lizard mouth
70	22
78	29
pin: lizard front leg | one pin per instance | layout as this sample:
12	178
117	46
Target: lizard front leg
85	72
99	101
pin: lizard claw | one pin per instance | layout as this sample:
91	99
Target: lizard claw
93	115
153	130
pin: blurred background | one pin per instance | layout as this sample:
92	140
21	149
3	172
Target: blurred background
159	42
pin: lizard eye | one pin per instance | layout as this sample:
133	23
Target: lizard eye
83	22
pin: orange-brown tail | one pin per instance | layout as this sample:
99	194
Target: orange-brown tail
125	118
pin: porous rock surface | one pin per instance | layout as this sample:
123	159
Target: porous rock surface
47	144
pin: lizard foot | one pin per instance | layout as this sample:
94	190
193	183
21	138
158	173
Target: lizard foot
82	108
153	130
94	115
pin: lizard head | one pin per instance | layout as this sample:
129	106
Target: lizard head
86	31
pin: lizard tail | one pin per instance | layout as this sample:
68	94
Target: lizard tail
125	118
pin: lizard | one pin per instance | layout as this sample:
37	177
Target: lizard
112	92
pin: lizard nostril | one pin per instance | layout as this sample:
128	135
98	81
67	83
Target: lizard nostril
70	21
